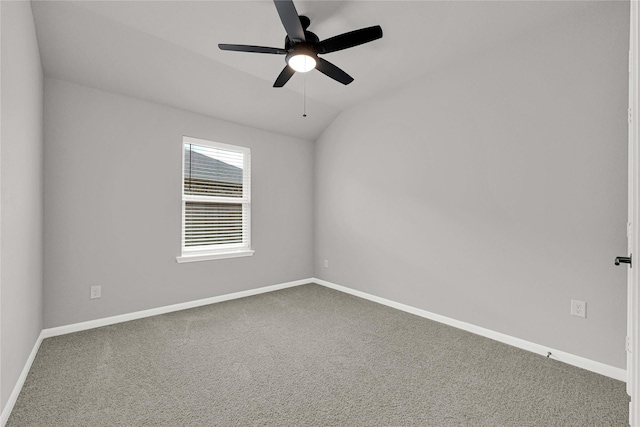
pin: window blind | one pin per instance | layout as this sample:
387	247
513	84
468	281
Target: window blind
212	171
212	223
216	203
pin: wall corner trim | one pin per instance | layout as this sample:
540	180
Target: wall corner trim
568	358
13	397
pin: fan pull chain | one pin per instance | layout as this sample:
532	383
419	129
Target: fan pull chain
304	98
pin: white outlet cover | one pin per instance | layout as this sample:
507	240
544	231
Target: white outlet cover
578	308
96	292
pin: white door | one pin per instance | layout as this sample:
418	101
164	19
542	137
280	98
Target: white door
633	292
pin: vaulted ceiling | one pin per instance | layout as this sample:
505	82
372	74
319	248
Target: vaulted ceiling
166	52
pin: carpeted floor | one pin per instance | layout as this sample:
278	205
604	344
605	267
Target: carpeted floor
304	356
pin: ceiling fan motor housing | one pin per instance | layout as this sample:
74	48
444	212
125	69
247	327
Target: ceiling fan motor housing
302	49
310	37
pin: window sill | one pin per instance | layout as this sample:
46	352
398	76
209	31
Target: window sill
212	256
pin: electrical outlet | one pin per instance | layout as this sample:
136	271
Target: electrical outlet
578	308
326	263
96	292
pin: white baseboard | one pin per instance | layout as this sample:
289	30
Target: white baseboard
13	397
571	359
91	324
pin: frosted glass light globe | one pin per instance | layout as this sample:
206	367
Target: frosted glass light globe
302	63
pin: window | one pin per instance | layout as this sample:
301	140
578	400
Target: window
216	200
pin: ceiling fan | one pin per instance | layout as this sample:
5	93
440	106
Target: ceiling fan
302	47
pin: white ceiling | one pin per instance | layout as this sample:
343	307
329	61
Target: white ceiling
166	51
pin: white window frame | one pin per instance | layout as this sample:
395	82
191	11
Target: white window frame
211	252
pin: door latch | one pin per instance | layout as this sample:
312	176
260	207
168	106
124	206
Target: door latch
624	260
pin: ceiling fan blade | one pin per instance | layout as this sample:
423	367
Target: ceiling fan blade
290	20
255	49
284	76
328	69
350	39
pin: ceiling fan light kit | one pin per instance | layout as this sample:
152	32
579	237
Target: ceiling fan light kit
302	58
302	47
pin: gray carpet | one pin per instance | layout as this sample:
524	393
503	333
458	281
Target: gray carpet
304	356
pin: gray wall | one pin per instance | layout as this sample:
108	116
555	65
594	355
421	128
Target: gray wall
21	193
113	206
492	191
